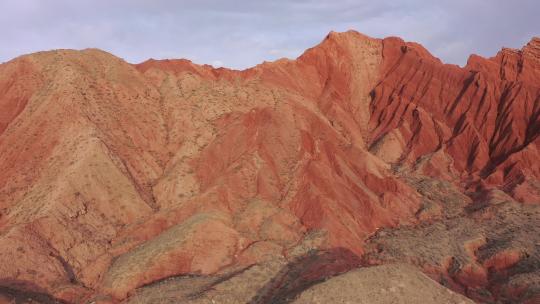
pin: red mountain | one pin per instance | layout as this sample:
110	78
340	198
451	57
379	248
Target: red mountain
123	182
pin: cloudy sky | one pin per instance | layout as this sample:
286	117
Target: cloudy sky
242	33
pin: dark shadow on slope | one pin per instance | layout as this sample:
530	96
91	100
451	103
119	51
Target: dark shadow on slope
304	272
22	295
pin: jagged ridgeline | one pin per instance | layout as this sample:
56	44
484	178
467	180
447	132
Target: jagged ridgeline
171	182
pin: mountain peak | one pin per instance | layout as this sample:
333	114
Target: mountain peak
349	34
533	47
114	177
534	40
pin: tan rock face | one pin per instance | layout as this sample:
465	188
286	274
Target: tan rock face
381	284
203	244
116	176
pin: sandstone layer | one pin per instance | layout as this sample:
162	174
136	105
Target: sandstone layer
115	177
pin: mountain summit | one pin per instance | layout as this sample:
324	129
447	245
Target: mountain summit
171	181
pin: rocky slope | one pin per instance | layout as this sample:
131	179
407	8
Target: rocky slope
123	182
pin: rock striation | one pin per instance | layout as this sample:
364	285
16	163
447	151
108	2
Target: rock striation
116	178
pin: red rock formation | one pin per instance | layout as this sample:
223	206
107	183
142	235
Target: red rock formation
113	176
483	116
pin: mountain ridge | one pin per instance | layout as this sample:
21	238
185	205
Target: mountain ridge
105	163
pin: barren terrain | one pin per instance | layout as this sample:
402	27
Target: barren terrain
171	182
